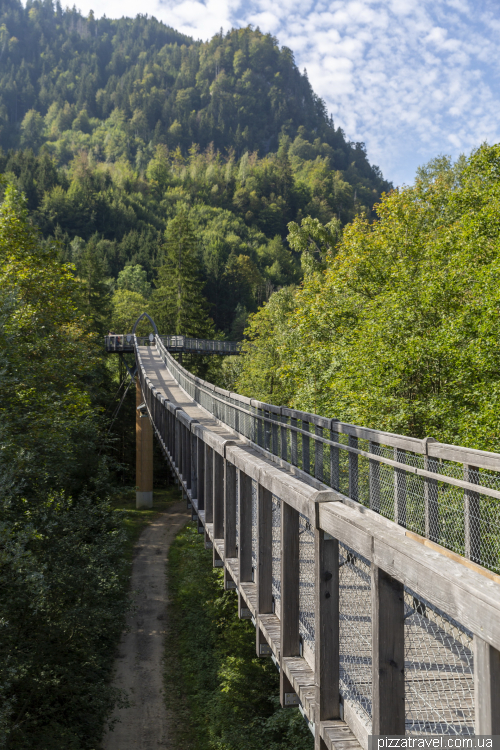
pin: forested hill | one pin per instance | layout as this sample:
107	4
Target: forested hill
111	127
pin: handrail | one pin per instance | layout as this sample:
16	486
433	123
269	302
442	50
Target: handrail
117	342
436	490
364	623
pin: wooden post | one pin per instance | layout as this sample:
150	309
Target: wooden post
289	615
288	696
472	516
260	427
293	439
374	479
275	444
194	464
353	469
262	647
264	571
183	452
431	501
187	443
334	461
318	454
388	658
143	454
218	496
200	463
486	688
267	430
326	628
399	489
178	444
284	440
229	509
245	527
306	456
209	483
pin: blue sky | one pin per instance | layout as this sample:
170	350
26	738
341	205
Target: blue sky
410	78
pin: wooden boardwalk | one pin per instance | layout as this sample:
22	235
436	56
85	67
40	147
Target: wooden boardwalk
400	606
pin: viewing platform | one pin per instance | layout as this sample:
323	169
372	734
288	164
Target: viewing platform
124	342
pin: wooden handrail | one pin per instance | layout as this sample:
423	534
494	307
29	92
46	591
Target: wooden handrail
451	594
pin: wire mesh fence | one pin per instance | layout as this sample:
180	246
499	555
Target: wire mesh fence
237	510
254	527
423	493
355	631
436	497
306	582
439	671
276	553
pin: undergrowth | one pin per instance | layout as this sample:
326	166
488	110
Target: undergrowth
220	695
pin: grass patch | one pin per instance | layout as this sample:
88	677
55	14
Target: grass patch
220	695
134	520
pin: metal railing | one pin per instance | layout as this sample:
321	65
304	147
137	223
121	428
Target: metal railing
121	342
363	622
445	493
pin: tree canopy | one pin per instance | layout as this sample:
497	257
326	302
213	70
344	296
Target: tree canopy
399	330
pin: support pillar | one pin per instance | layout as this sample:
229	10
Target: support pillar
144	454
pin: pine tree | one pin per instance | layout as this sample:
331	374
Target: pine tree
178	304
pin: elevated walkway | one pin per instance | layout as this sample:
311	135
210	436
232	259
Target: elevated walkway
372	632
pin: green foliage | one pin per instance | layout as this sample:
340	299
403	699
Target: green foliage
136	123
400	331
62	584
134	279
126	308
178	305
229	696
61	611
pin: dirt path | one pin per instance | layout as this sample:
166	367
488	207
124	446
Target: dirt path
138	667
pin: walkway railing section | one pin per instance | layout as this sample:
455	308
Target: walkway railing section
373	632
448	494
125	343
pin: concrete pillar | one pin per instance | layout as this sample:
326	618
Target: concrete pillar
144	454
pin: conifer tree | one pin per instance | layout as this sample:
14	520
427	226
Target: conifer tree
178	304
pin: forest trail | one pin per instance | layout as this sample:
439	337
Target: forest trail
139	664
